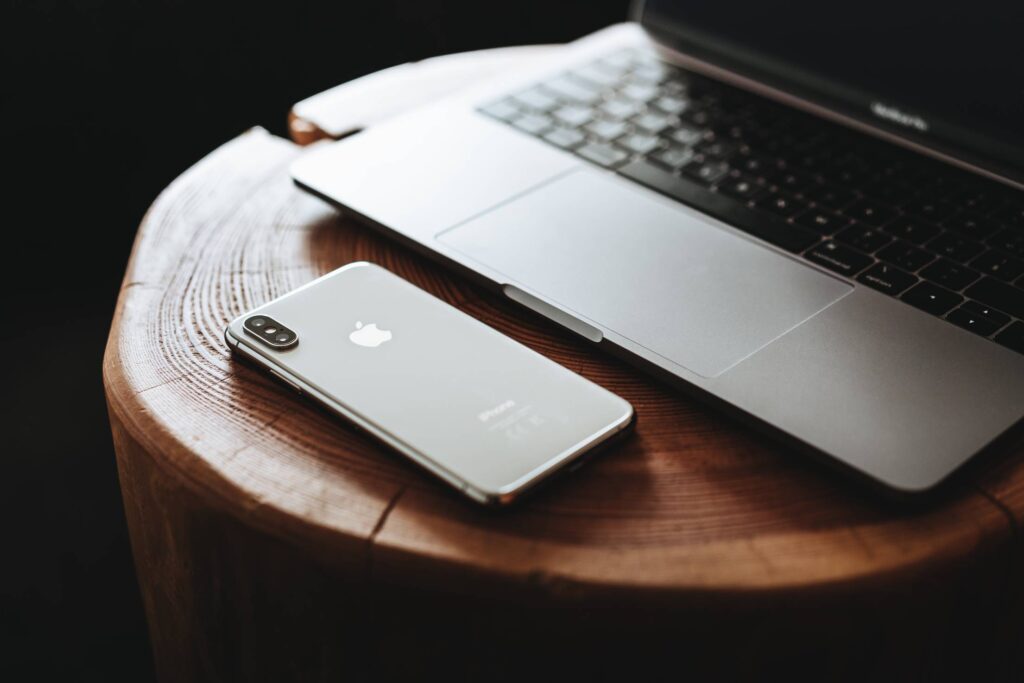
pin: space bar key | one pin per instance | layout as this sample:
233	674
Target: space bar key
769	228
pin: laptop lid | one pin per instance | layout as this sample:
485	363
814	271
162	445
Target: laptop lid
945	75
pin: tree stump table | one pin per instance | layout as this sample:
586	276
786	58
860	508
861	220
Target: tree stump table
273	542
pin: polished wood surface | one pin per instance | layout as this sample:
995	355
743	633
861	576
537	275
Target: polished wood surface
275	542
692	509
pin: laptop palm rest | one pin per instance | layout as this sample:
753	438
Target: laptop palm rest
663	276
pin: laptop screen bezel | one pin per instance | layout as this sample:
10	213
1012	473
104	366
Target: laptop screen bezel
807	90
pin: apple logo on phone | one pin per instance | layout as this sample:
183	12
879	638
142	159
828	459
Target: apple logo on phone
369	335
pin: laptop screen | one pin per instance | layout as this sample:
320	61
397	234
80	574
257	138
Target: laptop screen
949	75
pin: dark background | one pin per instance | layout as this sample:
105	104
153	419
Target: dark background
103	104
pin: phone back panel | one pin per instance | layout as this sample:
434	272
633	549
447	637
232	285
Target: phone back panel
446	387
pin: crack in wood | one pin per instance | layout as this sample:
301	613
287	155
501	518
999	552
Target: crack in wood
371	540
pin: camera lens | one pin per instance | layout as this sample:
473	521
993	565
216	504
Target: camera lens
270	332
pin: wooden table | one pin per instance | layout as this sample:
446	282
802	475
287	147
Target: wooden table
273	542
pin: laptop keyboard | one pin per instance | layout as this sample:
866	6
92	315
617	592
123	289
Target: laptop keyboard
947	242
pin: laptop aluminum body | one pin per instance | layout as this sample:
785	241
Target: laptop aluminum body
824	363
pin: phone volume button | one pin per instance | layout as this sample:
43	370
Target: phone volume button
295	387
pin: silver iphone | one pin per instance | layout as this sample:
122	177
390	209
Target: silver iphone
479	410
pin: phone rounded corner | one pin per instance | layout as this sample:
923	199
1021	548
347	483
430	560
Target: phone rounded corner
630	414
355	265
487	497
502	497
627	418
229	337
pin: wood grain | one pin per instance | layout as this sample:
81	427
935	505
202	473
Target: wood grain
693	521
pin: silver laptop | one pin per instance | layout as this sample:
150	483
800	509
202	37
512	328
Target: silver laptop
813	218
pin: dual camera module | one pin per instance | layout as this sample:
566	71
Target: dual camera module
270	332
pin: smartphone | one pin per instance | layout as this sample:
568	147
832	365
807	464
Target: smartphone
479	410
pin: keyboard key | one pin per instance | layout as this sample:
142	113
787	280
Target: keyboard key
792	181
969	321
838	258
911	229
596	76
686	135
809	162
503	110
671	104
849	176
954	246
720	149
602	154
566	138
825	222
1011	213
773	170
1012	337
606	130
573	90
772	230
781	204
889	192
676	84
706	172
698	116
998	295
652	122
620	108
974	198
929	209
864	238
640	92
972	225
905	256
640	143
672	157
950	275
869	212
931	298
741	187
886	278
833	197
534	124
652	72
536	99
573	115
756	165
998	318
1010	241
997	264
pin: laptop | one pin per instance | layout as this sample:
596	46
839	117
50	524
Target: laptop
810	215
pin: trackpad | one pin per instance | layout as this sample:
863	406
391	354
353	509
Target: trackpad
648	269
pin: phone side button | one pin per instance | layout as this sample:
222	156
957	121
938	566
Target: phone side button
295	387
